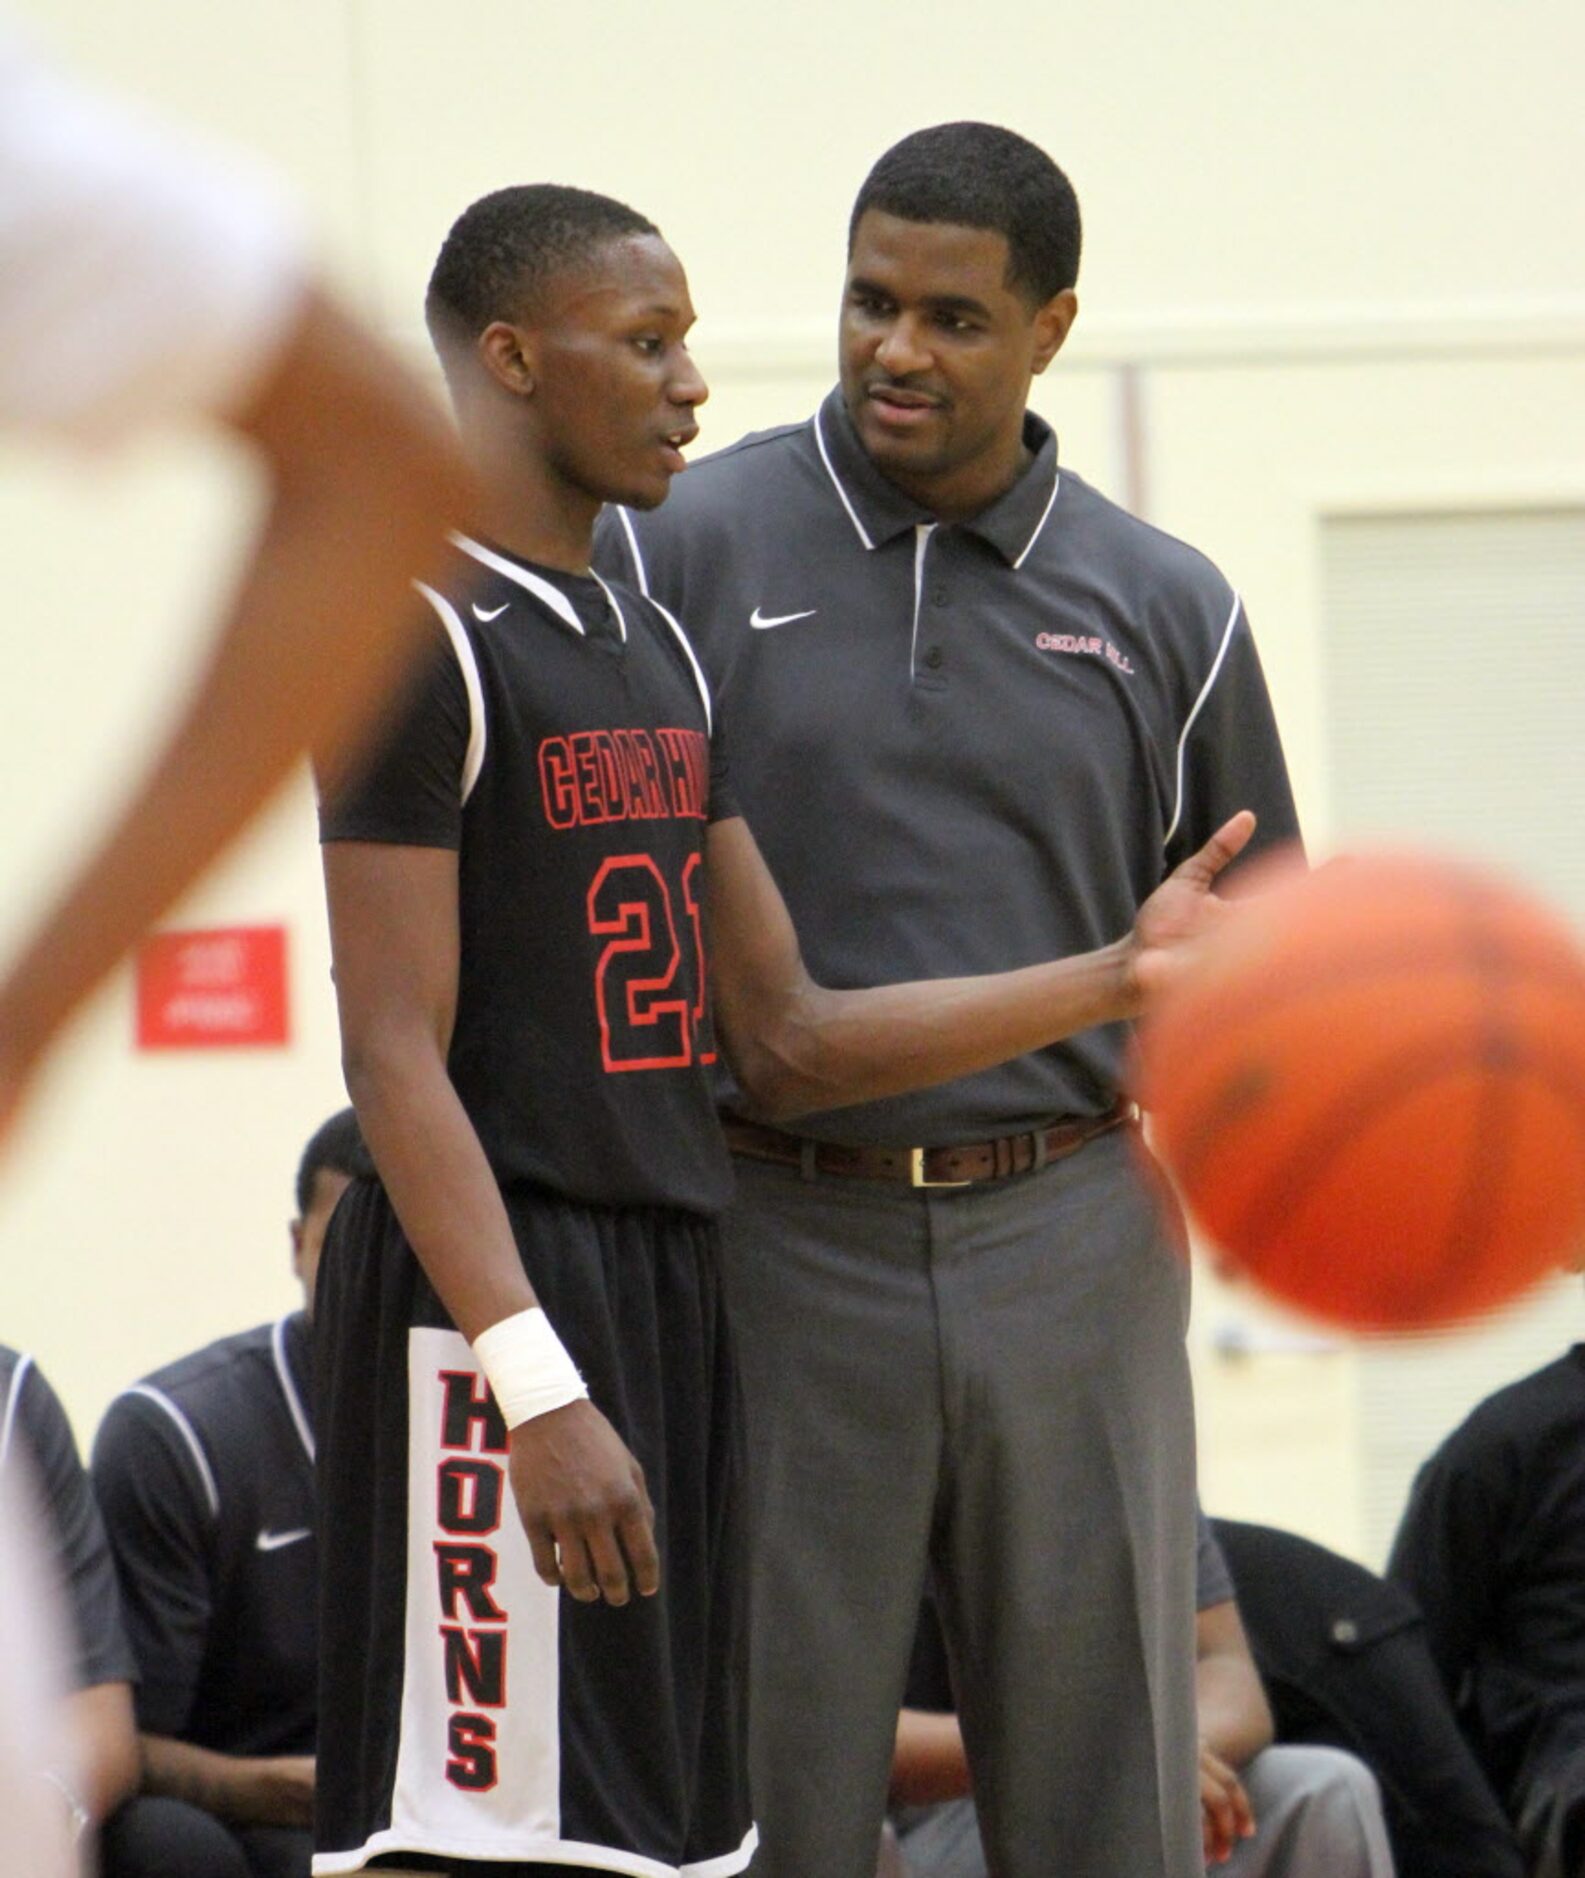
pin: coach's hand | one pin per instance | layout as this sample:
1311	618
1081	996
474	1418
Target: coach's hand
584	1505
1182	912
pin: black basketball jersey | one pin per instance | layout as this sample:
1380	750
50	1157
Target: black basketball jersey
561	740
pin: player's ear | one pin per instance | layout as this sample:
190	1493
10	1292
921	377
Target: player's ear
1053	323
507	355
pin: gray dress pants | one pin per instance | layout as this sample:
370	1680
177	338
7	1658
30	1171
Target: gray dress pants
988	1384
1317	1813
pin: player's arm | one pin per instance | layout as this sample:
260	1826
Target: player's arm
99	1709
798	1047
395	940
1234	1724
106	1742
928	1760
243	1790
363	479
1234	1715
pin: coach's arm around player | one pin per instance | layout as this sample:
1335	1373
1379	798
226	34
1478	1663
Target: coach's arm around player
798	1048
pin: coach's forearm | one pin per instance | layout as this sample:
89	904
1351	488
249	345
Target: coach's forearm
823	1049
242	1790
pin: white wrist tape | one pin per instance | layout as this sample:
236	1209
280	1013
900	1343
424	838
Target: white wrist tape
528	1369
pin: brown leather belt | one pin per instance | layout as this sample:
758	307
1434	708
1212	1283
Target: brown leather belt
924	1167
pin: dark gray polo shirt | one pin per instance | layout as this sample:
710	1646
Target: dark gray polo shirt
962	748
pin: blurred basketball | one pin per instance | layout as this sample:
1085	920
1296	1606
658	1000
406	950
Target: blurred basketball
1371	1090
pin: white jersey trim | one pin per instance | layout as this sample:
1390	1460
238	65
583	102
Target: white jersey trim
188	1433
294	1401
836	483
615	606
698	671
599	1858
13	1403
1205	692
542	590
462	646
640	572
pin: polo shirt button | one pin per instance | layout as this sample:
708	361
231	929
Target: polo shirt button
934	659
938	596
1345	1632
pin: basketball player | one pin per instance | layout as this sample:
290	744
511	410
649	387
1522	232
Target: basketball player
524	887
143	282
205	1474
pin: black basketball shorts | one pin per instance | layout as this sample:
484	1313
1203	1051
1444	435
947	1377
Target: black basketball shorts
466	1710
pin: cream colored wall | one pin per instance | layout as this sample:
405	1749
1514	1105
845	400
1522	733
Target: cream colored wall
1340	249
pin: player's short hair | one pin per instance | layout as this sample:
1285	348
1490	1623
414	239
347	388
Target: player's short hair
335	1146
505	247
981	176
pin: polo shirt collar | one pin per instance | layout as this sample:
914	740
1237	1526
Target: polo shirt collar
879	510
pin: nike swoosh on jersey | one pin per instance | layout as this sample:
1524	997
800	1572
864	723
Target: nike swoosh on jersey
494	613
269	1541
760	622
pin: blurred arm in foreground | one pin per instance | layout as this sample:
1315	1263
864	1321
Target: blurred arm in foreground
139	285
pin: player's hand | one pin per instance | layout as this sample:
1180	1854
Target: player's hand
1225	1813
1182	912
280	1792
584	1505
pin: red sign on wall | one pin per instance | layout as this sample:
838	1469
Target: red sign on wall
212	990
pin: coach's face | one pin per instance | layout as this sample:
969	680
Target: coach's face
615	389
937	354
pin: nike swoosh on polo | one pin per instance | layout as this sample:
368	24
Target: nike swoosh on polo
269	1541
494	613
760	622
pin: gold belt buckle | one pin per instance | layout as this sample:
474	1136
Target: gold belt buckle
916	1172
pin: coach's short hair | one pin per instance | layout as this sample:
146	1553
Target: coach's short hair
336	1147
503	249
982	176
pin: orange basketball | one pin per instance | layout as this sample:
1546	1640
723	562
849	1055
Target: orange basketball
1371	1090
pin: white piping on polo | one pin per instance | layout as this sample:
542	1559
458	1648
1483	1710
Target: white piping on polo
1051	502
552	597
836	483
1205	692
189	1435
13	1400
294	1401
462	646
698	674
639	569
922	533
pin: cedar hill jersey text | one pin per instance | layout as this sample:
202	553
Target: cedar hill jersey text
597	776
